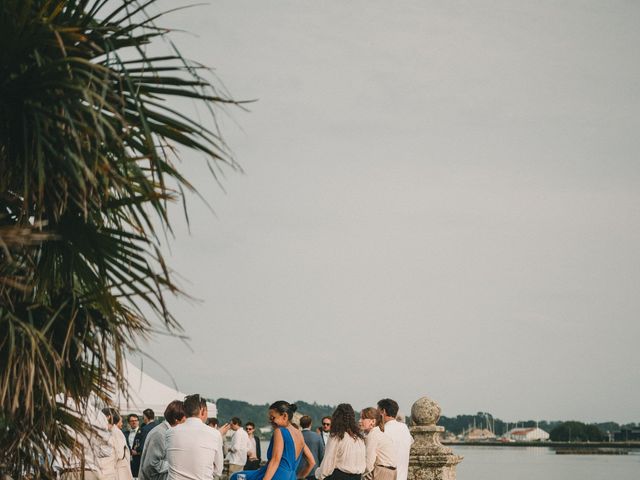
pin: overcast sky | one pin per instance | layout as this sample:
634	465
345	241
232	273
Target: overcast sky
440	198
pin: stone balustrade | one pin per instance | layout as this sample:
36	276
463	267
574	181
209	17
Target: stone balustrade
429	459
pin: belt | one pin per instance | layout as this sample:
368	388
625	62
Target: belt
386	466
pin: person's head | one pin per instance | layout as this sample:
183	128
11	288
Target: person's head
236	424
195	406
117	420
174	413
343	421
250	427
281	413
108	412
305	421
148	415
212	422
388	409
326	424
369	418
133	421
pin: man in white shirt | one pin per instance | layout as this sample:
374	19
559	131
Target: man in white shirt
399	433
239	447
153	461
194	451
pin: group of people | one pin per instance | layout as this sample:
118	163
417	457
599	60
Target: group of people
375	448
188	445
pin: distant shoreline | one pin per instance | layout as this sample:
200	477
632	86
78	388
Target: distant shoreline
631	445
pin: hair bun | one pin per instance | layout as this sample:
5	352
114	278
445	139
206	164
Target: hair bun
292	408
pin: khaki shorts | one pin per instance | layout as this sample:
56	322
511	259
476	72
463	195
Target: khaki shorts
382	473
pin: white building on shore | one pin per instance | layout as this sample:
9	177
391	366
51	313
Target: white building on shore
531	434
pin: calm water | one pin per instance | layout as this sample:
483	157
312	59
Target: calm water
511	463
538	463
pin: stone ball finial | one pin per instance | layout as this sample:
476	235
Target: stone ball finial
425	412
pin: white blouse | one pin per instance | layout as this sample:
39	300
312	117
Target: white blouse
380	450
347	455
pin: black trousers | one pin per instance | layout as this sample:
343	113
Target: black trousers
340	475
252	465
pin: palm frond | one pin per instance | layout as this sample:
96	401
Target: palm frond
88	142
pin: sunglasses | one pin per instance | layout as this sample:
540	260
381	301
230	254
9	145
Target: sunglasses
326	424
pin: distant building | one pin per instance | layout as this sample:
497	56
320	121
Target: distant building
478	435
532	434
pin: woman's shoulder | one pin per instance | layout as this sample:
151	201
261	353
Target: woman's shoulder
347	438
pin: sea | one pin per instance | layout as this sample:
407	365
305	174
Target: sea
541	463
538	463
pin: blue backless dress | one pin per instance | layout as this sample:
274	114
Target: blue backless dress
288	463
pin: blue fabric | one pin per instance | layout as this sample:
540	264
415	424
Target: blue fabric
288	463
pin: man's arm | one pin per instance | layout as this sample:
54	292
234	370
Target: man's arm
243	444
218	460
155	453
320	449
258	451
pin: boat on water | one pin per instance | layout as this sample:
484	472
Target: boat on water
591	451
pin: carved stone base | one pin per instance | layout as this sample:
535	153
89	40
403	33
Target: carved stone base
429	459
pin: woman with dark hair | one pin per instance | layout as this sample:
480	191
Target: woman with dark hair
381	453
344	455
285	449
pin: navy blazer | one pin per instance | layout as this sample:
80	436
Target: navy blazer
316	445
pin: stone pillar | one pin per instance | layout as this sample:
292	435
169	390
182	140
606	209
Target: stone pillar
429	459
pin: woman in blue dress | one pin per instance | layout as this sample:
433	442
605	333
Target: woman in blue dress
285	449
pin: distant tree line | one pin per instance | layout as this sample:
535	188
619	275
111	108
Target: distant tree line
577	432
257	414
460	423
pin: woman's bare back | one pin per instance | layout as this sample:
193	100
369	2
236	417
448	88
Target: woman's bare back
298	439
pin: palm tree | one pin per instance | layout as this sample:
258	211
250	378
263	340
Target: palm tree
88	143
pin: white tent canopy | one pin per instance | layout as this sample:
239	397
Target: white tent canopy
147	392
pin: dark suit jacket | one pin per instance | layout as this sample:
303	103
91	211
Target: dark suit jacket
135	459
144	431
319	432
316	445
126	437
138	446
